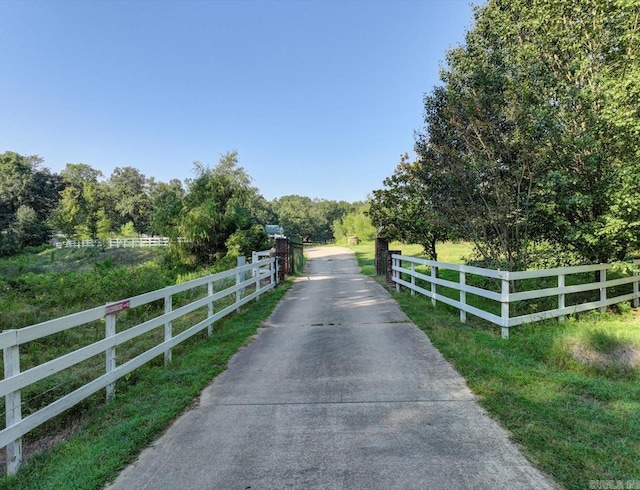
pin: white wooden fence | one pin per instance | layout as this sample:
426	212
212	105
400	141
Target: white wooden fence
262	276
505	297
116	243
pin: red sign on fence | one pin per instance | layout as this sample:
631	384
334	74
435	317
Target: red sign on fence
116	307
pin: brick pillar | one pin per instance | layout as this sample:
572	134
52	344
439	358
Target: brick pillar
282	251
389	263
382	245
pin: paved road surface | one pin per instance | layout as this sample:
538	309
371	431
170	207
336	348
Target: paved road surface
339	391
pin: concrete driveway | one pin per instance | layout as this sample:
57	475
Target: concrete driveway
338	390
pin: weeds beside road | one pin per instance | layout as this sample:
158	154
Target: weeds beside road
568	391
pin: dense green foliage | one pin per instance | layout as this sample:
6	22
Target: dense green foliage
216	213
309	219
533	136
356	223
405	210
28	194
219	202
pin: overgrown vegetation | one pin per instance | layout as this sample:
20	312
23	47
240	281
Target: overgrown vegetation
96	440
56	282
567	391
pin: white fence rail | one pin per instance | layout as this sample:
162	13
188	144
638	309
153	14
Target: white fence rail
259	277
505	297
116	243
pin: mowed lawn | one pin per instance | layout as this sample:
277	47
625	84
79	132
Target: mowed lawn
569	392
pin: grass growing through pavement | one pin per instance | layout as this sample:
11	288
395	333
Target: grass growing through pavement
111	435
567	391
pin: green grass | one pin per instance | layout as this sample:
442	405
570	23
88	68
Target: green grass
109	436
563	389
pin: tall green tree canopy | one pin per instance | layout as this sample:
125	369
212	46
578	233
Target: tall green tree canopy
82	204
404	209
166	202
355	223
28	194
310	219
533	135
129	192
217	204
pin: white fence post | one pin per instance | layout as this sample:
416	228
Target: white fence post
168	328
273	278
239	279
395	274
504	302
413	278
434	274
273	267
636	290
603	291
13	407
210	308
256	271
463	298
254	259
110	352
561	296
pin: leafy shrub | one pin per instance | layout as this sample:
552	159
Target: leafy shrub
243	242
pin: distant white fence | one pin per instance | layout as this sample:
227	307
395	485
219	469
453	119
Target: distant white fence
504	296
262	276
116	243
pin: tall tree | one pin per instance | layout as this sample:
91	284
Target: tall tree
15	178
129	193
166	203
405	210
26	187
216	205
44	192
355	223
82	203
294	215
533	134
67	216
28	228
473	156
588	52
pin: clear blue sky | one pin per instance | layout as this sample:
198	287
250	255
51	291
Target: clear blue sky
319	98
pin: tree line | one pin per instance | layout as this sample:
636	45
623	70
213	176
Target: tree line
531	144
217	213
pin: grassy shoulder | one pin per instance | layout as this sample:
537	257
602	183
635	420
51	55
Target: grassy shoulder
569	392
109	436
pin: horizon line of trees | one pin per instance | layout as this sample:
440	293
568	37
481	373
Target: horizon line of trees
219	211
531	144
